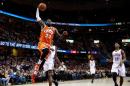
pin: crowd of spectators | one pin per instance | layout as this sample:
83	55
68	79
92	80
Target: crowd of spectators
12	29
17	70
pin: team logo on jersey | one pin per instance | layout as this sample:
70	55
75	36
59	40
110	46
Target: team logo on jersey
48	31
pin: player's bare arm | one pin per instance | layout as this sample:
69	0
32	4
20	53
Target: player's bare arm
123	57
39	20
110	59
57	32
61	36
56	58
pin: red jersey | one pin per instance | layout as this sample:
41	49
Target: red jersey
46	35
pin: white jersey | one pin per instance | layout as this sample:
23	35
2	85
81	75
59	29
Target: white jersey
49	63
51	55
92	66
117	57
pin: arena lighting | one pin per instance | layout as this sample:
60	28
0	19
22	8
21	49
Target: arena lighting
96	41
125	44
55	23
125	40
73	51
119	23
83	52
17	16
69	40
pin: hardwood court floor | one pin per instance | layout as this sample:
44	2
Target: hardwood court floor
87	82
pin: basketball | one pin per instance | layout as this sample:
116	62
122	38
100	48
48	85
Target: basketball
42	6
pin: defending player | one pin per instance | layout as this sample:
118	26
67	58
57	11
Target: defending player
49	65
118	67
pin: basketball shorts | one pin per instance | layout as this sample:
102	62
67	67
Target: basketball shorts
120	70
48	66
92	70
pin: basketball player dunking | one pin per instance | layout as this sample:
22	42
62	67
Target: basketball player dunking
92	68
118	67
45	40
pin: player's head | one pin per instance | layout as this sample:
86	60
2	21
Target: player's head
49	21
91	57
117	45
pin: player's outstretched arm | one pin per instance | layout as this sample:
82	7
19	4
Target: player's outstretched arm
123	56
38	19
57	32
64	34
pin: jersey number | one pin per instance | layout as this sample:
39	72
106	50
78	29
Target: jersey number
116	58
48	36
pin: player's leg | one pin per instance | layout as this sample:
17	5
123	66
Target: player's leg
121	80
114	76
49	67
55	80
122	74
92	71
93	75
41	60
43	54
50	78
51	75
114	72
